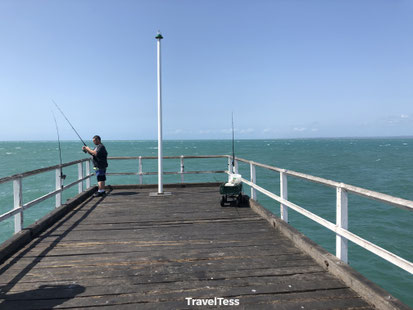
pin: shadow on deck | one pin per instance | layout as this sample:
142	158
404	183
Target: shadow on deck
132	251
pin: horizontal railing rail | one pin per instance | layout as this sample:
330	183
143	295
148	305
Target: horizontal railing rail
169	157
41	170
340	228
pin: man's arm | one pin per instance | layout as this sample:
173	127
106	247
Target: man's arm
89	150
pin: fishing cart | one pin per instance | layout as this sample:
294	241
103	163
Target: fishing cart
230	194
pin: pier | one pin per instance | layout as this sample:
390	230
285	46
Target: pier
131	250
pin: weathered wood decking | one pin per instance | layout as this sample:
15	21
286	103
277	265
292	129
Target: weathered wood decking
131	251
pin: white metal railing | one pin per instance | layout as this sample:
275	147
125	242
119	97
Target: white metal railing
19	207
342	190
180	172
341	226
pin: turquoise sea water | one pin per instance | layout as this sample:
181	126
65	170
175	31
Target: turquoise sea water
380	164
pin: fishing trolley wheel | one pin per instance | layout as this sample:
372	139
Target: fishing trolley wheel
223	201
239	200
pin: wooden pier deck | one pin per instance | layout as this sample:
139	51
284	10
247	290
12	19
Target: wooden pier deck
132	251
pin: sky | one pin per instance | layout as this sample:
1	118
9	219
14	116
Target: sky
284	68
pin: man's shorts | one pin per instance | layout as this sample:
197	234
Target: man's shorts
101	175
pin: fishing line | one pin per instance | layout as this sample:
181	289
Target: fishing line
69	123
62	176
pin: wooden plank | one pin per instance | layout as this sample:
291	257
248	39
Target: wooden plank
173	249
156	274
69	297
133	244
167	288
190	270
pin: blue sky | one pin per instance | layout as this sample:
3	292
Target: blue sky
287	69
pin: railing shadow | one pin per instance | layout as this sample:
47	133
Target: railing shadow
125	194
44	297
6	288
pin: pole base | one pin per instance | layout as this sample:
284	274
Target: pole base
156	194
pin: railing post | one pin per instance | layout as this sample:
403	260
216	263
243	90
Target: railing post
88	173
253	180
229	164
182	168
140	170
236	166
342	221
18	203
80	176
58	186
284	195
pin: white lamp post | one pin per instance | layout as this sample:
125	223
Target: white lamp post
160	155
160	168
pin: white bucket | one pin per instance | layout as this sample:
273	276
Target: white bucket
234	179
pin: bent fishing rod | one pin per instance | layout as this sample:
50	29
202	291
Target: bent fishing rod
233	146
70	124
62	176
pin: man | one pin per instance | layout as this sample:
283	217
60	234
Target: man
100	163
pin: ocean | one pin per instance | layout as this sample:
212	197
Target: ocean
380	164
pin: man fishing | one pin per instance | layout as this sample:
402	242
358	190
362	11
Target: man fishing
100	162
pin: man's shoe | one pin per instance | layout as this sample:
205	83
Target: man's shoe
99	194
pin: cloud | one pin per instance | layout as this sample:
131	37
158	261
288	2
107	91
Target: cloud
299	129
177	131
308	128
248	130
398	119
272	131
226	130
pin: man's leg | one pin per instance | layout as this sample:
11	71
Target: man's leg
101	178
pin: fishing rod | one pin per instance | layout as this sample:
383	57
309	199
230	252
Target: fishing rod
70	124
233	154
62	176
233	146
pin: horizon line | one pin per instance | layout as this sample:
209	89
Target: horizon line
209	139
